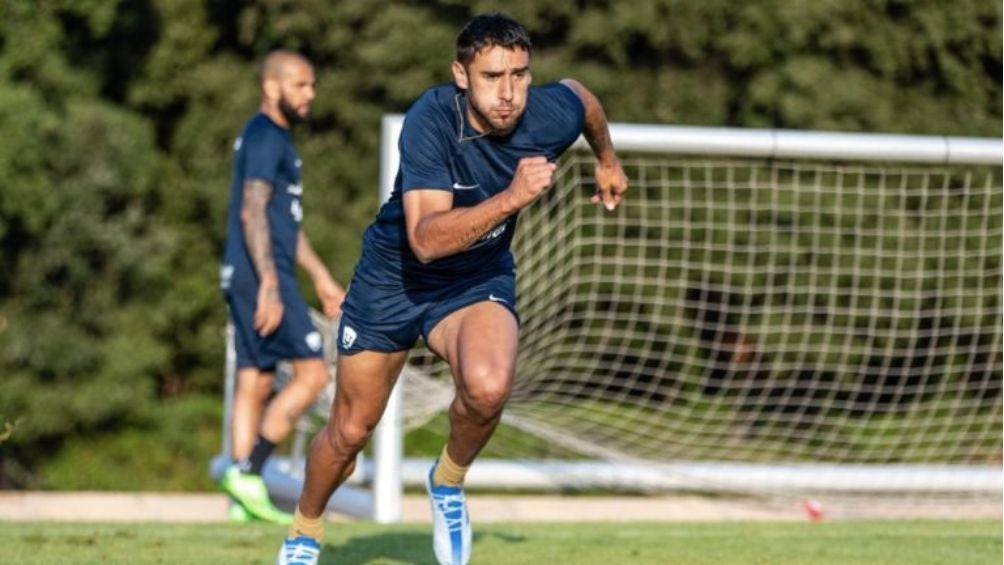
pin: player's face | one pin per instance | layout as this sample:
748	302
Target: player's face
296	91
497	81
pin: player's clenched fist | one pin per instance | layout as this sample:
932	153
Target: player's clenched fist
611	184
533	176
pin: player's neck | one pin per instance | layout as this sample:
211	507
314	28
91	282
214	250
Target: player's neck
273	113
476	123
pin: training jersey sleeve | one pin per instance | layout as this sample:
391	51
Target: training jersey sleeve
424	149
263	151
558	117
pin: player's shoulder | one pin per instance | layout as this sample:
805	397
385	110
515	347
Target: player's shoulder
436	104
433	114
261	128
554	117
556	94
554	109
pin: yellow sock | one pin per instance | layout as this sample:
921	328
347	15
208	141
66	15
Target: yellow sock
303	526
447	472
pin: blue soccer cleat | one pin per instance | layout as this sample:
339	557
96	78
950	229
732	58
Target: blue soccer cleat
451	524
301	550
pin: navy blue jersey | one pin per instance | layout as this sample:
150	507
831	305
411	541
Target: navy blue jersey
440	150
264	151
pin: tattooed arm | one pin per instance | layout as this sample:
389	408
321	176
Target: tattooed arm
257	237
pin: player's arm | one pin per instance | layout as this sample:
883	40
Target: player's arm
328	290
436	229
611	182
257	237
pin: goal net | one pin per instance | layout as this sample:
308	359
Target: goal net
806	327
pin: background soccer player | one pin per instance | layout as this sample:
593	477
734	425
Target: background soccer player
270	317
436	263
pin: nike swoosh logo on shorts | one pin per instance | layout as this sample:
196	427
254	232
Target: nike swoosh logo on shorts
458	186
494	298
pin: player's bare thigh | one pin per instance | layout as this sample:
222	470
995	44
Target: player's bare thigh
363	385
479	339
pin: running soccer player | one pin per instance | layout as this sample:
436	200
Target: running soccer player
436	263
258	279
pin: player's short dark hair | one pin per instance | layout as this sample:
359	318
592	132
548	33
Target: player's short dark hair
490	30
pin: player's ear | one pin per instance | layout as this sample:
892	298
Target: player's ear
270	87
460	75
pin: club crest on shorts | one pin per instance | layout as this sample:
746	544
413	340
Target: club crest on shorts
313	340
348	337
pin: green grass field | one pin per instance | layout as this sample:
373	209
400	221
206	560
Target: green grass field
917	542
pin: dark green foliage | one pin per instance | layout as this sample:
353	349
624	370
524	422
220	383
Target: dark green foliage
117	119
166	448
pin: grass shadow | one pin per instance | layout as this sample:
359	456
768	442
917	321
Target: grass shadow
412	548
390	547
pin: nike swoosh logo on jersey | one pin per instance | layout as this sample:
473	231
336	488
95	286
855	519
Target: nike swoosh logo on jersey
494	298
458	186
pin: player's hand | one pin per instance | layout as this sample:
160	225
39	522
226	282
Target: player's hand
611	184
533	176
331	294
268	313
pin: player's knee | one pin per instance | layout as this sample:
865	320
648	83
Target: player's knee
254	389
252	396
349	436
295	406
485	392
247	393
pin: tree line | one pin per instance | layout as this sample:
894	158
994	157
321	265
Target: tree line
118	116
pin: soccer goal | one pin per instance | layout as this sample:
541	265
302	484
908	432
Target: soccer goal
771	314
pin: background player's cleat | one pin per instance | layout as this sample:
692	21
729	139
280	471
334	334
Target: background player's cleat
451	524
301	550
236	513
250	491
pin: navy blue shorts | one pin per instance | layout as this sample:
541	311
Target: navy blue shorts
295	338
381	315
